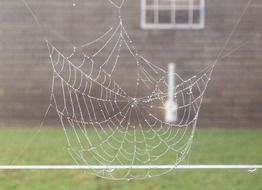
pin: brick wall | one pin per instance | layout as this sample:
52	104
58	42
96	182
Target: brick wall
233	98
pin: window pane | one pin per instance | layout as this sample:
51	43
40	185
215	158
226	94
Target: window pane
150	16
165	16
150	2
196	16
182	16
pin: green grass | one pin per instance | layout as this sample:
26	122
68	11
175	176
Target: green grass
210	146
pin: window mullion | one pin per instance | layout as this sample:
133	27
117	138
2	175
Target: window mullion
143	13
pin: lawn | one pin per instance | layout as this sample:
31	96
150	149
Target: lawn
210	146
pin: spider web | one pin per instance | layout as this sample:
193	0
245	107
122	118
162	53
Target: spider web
112	109
111	126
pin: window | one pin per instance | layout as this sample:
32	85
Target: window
168	14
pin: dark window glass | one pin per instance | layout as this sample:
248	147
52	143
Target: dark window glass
150	2
182	16
150	16
165	16
196	17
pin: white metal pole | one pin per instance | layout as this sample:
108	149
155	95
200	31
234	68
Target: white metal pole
171	104
171	80
122	167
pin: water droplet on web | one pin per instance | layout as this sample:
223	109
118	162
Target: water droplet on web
252	169
92	148
110	170
74	4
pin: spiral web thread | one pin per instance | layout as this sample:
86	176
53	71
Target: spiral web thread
107	124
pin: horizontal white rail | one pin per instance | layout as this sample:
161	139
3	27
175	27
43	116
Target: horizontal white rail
122	167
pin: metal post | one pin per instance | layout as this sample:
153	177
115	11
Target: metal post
171	104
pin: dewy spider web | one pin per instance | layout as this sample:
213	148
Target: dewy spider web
106	123
112	127
126	130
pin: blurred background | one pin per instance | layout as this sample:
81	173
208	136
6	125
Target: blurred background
190	34
233	98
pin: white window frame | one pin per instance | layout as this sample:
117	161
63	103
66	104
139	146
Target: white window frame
172	24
